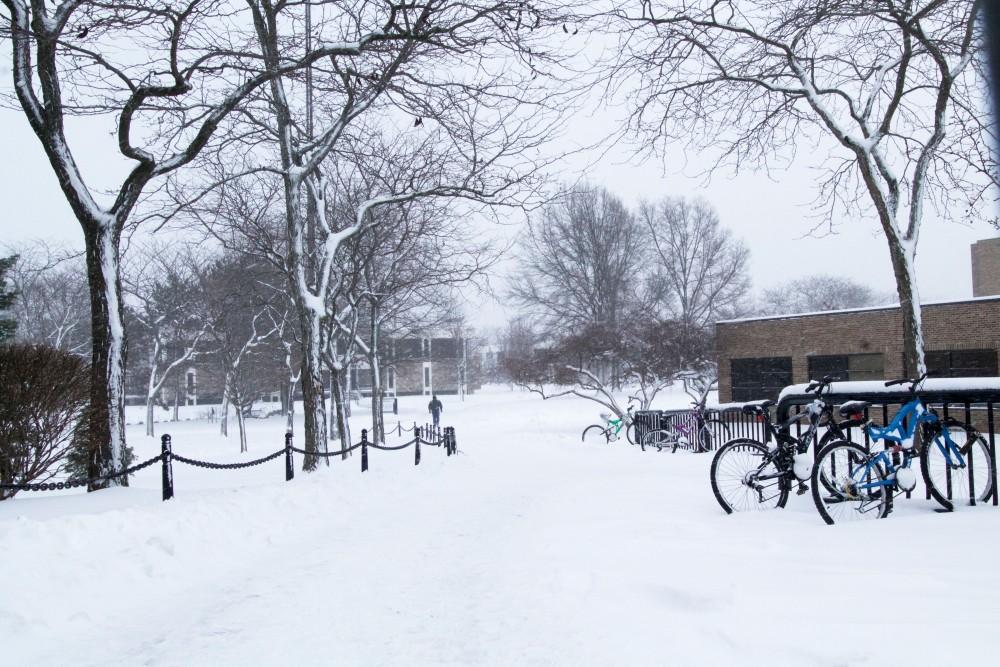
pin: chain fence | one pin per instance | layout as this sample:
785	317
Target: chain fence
432	436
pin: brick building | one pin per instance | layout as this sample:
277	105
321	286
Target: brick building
986	267
757	357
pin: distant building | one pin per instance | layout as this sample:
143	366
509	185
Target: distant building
759	356
424	365
986	267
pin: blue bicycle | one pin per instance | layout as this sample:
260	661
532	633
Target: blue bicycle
850	483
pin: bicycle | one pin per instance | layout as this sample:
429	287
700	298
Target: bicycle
747	474
690	431
953	457
611	428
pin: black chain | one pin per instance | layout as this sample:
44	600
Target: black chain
339	452
226	466
72	484
387	448
53	486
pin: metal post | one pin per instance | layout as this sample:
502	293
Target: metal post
364	450
972	453
166	461
993	449
289	463
416	452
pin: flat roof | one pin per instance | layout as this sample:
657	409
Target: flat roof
891	306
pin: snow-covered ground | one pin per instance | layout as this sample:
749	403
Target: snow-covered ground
527	548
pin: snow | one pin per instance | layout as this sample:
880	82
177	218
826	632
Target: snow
526	548
888	306
984	384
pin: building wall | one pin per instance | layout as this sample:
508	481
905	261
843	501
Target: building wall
964	325
986	267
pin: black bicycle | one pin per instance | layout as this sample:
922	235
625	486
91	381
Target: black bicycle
750	475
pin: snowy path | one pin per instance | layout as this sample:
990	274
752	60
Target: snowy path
526	549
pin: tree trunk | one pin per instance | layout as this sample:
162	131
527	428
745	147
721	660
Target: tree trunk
241	420
105	418
343	427
224	410
378	425
150	431
347	389
312	388
177	399
903	255
290	410
151	388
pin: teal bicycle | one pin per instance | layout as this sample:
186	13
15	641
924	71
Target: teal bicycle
611	430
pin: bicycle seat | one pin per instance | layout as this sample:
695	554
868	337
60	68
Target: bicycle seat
853	408
757	407
606	416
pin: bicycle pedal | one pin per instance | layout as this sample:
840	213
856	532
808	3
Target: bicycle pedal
802	490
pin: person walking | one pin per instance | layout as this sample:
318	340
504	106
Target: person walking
435	408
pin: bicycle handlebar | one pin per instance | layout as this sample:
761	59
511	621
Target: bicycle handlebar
913	383
817	386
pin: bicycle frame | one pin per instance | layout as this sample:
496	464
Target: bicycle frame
902	428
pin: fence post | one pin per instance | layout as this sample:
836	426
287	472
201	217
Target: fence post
449	439
416	453
364	449
166	461
289	463
993	449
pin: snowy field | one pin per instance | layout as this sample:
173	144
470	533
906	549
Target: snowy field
527	548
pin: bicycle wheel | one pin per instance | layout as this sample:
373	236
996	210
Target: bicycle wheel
947	468
848	468
595	434
659	439
630	434
713	432
828	437
737	469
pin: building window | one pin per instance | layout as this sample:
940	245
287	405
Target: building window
191	387
961	363
427	376
759	378
847	366
391	379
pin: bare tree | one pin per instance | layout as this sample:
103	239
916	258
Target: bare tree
168	101
240	310
651	355
698	271
51	306
895	86
8	297
579	261
169	316
407	265
819	293
473	141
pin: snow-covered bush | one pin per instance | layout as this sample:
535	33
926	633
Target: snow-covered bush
43	394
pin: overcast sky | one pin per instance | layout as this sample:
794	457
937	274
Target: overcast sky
770	214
